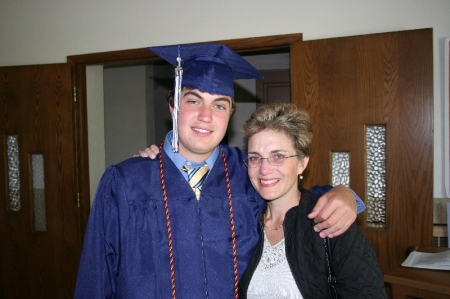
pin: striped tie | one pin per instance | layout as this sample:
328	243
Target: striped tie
196	177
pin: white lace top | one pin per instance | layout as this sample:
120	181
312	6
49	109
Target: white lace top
273	278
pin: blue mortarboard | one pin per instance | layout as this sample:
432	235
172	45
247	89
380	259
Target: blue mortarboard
210	68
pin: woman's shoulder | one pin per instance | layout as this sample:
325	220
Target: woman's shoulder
307	202
307	199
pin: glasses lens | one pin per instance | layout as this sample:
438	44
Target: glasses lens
252	161
277	159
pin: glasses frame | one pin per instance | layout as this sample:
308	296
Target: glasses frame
268	160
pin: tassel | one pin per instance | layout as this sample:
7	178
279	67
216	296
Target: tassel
176	102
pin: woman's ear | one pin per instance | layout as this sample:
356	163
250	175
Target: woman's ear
303	163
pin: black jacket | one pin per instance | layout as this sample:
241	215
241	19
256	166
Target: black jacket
354	260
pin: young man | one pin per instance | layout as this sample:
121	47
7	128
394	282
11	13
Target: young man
150	234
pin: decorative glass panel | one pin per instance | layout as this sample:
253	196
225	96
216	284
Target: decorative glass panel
12	149
340	168
37	168
376	176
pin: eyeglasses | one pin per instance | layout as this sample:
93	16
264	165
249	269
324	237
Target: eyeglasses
275	159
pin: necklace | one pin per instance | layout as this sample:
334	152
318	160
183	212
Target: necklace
275	228
169	226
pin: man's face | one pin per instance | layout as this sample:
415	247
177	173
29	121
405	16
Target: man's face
202	123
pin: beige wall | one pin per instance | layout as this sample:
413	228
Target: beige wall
36	32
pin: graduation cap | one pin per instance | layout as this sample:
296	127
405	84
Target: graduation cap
207	67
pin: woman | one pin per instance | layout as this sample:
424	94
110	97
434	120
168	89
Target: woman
290	259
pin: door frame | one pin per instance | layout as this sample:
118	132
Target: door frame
254	45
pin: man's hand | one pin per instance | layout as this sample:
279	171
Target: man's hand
334	212
150	152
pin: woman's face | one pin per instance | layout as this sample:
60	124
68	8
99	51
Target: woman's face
271	181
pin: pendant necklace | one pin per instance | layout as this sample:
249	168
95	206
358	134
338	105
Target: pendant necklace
275	228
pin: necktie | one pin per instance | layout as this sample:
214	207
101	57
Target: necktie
196	177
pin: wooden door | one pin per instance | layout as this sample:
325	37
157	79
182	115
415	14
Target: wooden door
39	225
275	87
347	84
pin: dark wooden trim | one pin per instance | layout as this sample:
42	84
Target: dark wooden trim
266	43
81	144
241	45
134	55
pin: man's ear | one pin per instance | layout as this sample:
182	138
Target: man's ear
171	111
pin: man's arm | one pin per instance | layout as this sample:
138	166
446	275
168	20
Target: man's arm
335	211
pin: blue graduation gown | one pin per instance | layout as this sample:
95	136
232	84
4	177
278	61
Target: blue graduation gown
125	251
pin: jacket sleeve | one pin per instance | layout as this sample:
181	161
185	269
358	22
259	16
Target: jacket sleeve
356	266
99	259
321	190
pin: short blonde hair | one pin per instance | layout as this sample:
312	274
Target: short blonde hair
287	118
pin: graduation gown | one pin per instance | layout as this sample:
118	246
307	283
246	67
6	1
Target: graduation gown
126	253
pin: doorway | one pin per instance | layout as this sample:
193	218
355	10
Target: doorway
135	110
